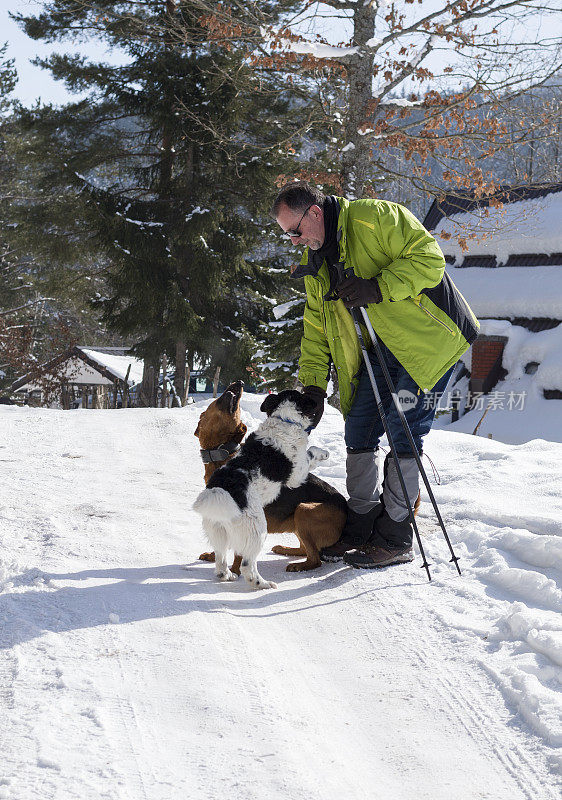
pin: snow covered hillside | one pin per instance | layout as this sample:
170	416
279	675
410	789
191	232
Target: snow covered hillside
127	671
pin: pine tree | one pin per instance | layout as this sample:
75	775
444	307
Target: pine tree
282	335
19	305
8	279
173	160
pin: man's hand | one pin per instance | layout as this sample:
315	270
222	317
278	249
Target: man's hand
318	395
355	291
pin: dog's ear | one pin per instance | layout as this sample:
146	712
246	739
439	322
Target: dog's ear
270	404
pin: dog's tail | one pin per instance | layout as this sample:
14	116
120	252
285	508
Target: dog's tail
217	504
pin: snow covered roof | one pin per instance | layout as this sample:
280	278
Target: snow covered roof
511	291
526	231
84	366
463	200
527	226
513	266
117	365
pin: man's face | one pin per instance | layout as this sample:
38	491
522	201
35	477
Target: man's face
311	226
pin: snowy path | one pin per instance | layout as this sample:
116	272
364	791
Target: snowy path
124	674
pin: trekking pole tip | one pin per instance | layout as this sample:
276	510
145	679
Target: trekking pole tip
455	560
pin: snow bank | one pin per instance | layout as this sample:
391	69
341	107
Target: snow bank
517	409
524	347
532	418
506	522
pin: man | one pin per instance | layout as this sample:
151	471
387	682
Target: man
423	323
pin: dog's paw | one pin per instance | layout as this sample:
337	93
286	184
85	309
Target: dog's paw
227	576
207	557
317	454
302	566
261	583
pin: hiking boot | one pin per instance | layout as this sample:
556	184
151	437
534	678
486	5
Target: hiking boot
370	556
357	530
391	535
335	552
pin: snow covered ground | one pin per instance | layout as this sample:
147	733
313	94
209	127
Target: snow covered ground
127	671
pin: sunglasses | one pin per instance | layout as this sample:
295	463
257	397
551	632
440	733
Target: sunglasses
296	232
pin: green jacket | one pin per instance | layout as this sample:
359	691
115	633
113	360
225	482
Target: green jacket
423	319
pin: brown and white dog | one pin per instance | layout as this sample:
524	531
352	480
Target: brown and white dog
314	511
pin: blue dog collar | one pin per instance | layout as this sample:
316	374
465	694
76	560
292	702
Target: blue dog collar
292	422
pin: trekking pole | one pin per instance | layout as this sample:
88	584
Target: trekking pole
356	316
454	559
360	315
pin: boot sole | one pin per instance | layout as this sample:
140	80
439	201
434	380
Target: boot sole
389	563
333	559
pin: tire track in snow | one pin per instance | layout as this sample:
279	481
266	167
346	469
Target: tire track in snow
244	703
288	713
132	709
354	746
468	689
122	710
9	766
460	691
483	726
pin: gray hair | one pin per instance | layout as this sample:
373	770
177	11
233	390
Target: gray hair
297	196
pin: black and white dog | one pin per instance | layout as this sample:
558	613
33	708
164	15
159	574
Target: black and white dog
272	457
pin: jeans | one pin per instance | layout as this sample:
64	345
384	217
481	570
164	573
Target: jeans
363	426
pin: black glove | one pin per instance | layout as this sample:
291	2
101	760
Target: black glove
318	395
355	291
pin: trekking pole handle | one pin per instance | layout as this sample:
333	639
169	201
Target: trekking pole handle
355	312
